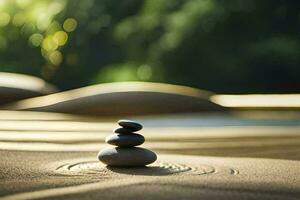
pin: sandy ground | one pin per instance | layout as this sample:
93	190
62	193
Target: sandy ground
53	156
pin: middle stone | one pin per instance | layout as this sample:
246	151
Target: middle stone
125	140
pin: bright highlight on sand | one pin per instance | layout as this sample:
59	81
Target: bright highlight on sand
258	100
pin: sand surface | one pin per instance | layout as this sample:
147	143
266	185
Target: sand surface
53	156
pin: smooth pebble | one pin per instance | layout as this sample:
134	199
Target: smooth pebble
123	130
126	157
125	140
135	126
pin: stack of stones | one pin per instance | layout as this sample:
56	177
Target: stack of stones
126	154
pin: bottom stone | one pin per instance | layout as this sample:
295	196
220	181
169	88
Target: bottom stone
126	157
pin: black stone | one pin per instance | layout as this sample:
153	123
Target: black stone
125	140
135	126
122	130
126	157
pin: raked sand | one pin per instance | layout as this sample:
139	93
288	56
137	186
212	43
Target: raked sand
54	156
80	176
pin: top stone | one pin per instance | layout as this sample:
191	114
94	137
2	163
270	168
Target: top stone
134	126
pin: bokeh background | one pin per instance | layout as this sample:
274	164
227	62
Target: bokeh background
226	46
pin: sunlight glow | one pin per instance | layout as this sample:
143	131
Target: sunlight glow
23	3
4	19
2	4
49	44
60	37
55	57
36	39
70	24
19	19
258	100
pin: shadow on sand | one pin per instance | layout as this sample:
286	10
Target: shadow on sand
146	171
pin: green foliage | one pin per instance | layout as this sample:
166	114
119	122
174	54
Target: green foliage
224	46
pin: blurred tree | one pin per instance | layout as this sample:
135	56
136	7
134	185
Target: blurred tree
224	46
